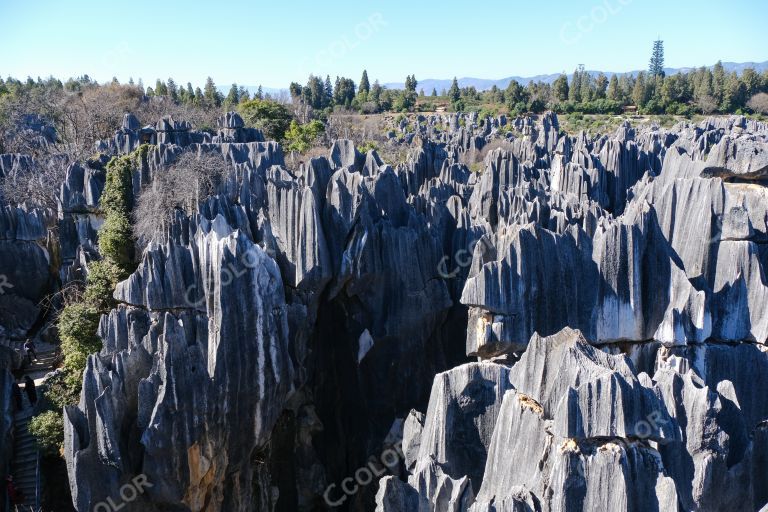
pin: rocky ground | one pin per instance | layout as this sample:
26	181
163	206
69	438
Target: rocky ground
577	323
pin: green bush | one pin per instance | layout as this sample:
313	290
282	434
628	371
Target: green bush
77	329
653	106
103	276
367	146
269	116
117	196
48	429
518	109
301	137
63	388
116	235
116	240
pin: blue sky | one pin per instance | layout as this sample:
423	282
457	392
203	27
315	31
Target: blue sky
274	43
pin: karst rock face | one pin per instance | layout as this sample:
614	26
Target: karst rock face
579	324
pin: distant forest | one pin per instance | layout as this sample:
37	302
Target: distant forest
74	114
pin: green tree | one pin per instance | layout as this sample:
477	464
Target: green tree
295	90
574	92
173	90
587	85
640	91
299	138
734	94
375	94
313	94
560	88
613	93
454	93
601	86
411	83
243	94
233	97
160	88
365	87
48	429
327	100
271	117
515	94
211	94
656	64
752	82
344	92
718	82
116	235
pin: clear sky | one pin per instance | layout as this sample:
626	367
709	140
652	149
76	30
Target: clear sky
274	43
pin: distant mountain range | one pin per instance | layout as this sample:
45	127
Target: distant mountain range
482	84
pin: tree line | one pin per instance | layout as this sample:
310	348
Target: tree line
703	90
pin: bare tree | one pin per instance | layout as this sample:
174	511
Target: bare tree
37	184
192	178
759	103
707	103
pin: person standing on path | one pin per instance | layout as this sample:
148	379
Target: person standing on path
29	348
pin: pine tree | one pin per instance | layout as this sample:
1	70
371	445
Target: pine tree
243	94
172	90
365	86
327	92
160	88
613	92
574	92
434	92
560	88
640	91
718	82
656	65
411	83
601	84
233	97
259	93
454	93
375	94
212	97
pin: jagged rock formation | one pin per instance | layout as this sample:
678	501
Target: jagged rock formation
25	259
613	289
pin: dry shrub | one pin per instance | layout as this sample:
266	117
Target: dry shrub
189	180
759	103
474	158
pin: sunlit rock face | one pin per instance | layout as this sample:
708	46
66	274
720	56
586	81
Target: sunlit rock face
196	369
